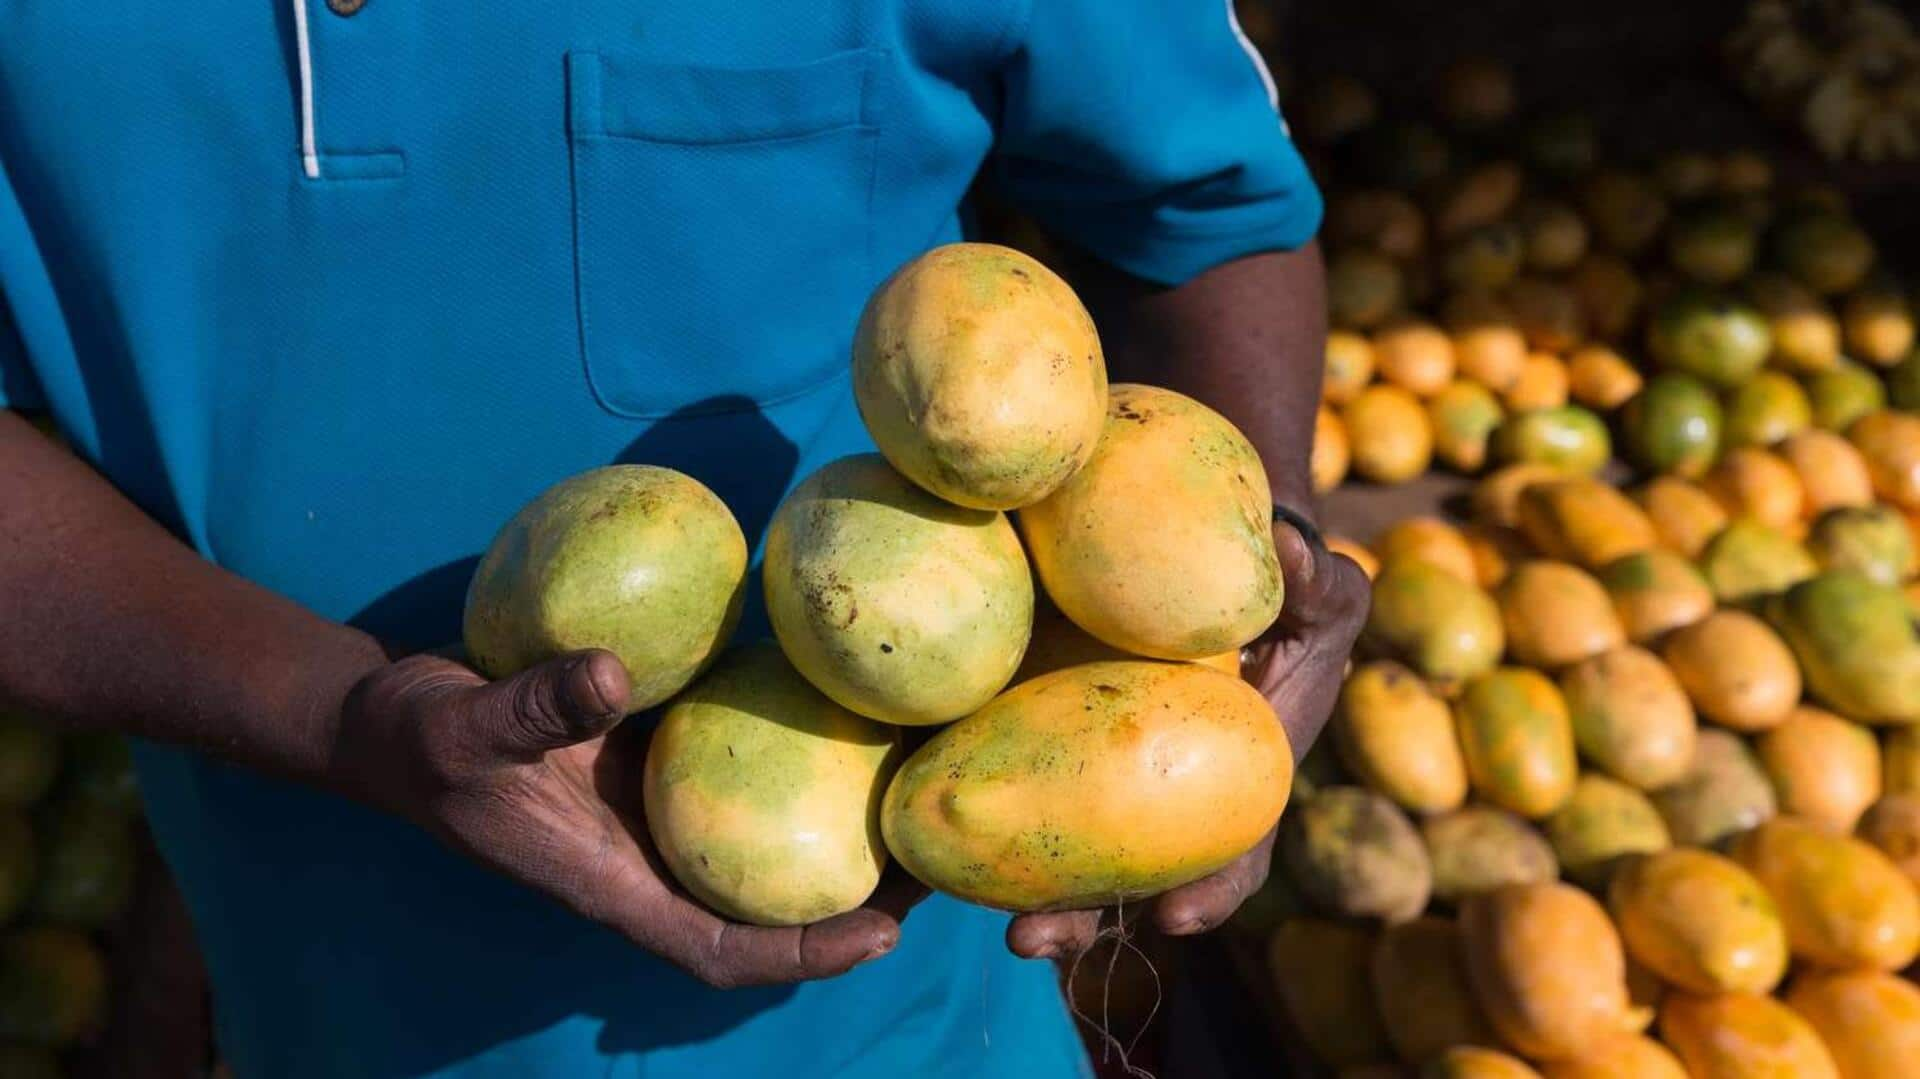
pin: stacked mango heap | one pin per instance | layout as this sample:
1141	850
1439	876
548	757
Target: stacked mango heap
1069	770
69	810
1625	780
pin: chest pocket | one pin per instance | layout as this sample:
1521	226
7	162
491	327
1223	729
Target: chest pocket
722	227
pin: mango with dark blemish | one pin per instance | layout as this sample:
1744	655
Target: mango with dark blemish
644	562
1094	785
1163	544
1353	853
1603	824
980	376
763	796
897	605
1724	793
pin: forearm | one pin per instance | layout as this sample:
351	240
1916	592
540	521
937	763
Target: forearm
110	623
1247	338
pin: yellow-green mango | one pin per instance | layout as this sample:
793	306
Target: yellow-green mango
1094	785
1568	438
980	376
1873	540
897	605
1699	921
1749	559
1396	736
1631	717
1655	592
1517	740
1478	848
1353	853
763	796
1163	544
1603	823
1766	409
1443	627
1725	792
644	562
1855	642
1844	393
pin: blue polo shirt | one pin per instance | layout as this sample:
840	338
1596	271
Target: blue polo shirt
331	295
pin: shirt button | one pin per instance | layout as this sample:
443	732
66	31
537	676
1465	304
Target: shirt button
345	7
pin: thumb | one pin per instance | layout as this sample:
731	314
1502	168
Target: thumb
559	703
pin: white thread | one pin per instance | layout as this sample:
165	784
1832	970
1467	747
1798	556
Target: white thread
309	155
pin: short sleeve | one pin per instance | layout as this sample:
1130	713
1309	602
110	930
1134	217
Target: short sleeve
19	390
1149	134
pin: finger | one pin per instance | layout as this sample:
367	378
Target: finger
1053	935
559	703
1208	902
744	955
898	893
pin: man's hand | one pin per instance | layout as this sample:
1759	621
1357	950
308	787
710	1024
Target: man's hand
1298	664
534	776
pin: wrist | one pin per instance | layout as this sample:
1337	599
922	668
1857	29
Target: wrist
315	702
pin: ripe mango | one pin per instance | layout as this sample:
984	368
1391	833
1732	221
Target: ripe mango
1869	1021
1855	641
1546	967
1517	740
1744	1035
1630	717
1700	921
1844	904
1443	627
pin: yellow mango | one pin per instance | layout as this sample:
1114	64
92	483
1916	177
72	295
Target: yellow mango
1869	1021
1685	517
1737	672
1059	795
1517	741
1629	1056
897	605
1826	770
1478	848
1845	905
1475	1062
980	376
1556	615
1742	1036
1332	452
1541	382
1430	540
1832	473
1349	369
1892	825
1546	967
1878	325
1756	483
1368	562
1699	921
1496	498
1806	336
1583	521
1177	495
1890	441
1445	628
762	795
1495	552
1320	973
1396	736
1414	355
1391	435
1630	717
1420	983
1600	378
1873	540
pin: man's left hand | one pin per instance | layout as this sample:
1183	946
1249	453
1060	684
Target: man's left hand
1298	665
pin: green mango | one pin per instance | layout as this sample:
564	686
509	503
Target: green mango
1673	425
1856	645
1874	540
1749	559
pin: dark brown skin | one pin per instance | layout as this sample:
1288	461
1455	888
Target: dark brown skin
1248	338
112	624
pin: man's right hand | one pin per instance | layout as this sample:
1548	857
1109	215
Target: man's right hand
535	776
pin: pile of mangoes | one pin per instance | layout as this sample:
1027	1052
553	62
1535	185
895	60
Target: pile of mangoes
779	782
1625	780
69	810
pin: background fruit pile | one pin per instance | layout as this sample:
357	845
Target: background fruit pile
1628	747
69	815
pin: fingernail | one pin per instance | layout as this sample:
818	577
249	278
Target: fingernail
1191	925
880	949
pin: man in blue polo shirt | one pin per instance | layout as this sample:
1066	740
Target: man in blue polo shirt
325	289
